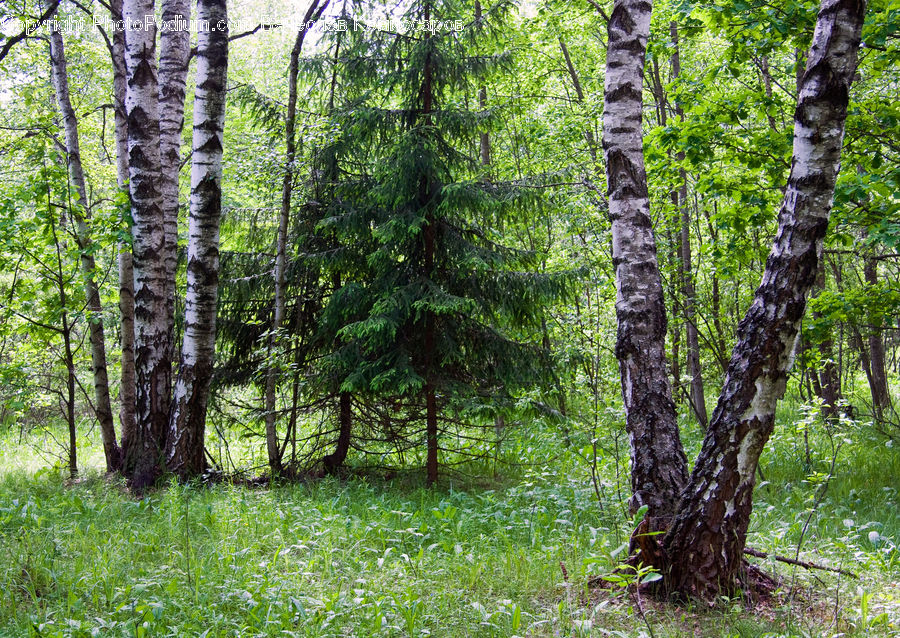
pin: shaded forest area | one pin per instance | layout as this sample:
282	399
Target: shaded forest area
592	307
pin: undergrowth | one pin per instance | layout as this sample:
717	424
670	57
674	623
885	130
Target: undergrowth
376	555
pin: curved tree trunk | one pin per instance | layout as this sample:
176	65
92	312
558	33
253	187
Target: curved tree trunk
658	463
706	542
144	451
81	215
184	444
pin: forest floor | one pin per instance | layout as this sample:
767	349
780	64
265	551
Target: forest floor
377	556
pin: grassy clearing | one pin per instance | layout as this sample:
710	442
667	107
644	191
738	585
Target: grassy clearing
378	557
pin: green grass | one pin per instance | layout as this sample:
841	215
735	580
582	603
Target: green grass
377	557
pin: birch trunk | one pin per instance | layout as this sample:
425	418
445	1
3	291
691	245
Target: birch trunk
174	51
706	542
126	272
184	444
658	463
144	453
272	446
80	215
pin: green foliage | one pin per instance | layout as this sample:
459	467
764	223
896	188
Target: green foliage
371	556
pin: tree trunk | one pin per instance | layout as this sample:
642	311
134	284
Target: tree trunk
144	452
174	51
68	355
579	92
184	444
126	273
827	380
80	214
878	381
484	145
71	380
659	466
698	397
272	447
336	459
706	542
429	232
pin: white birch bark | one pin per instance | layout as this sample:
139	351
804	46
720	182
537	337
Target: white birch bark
174	52
126	272
143	456
81	215
184	445
658	463
706	542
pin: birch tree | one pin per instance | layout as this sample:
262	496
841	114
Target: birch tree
80	214
703	547
174	52
143	452
708	536
184	445
658	463
126	270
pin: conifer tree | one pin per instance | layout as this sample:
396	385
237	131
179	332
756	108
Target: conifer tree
441	320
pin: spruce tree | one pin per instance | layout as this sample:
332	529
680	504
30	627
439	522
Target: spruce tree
438	321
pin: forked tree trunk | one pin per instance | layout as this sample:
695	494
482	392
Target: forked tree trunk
144	452
80	215
705	544
126	272
658	463
174	51
184	444
272	446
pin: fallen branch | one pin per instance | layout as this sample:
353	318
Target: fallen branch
800	563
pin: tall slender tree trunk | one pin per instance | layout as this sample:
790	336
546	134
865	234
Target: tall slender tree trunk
272	447
174	51
658	463
81	215
705	544
184	444
126	272
429	232
881	398
71	380
827	380
65	331
697	394
144	452
579	92
484	136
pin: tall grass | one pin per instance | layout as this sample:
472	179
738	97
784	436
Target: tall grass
479	556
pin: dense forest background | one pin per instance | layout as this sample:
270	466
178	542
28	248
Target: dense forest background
384	262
